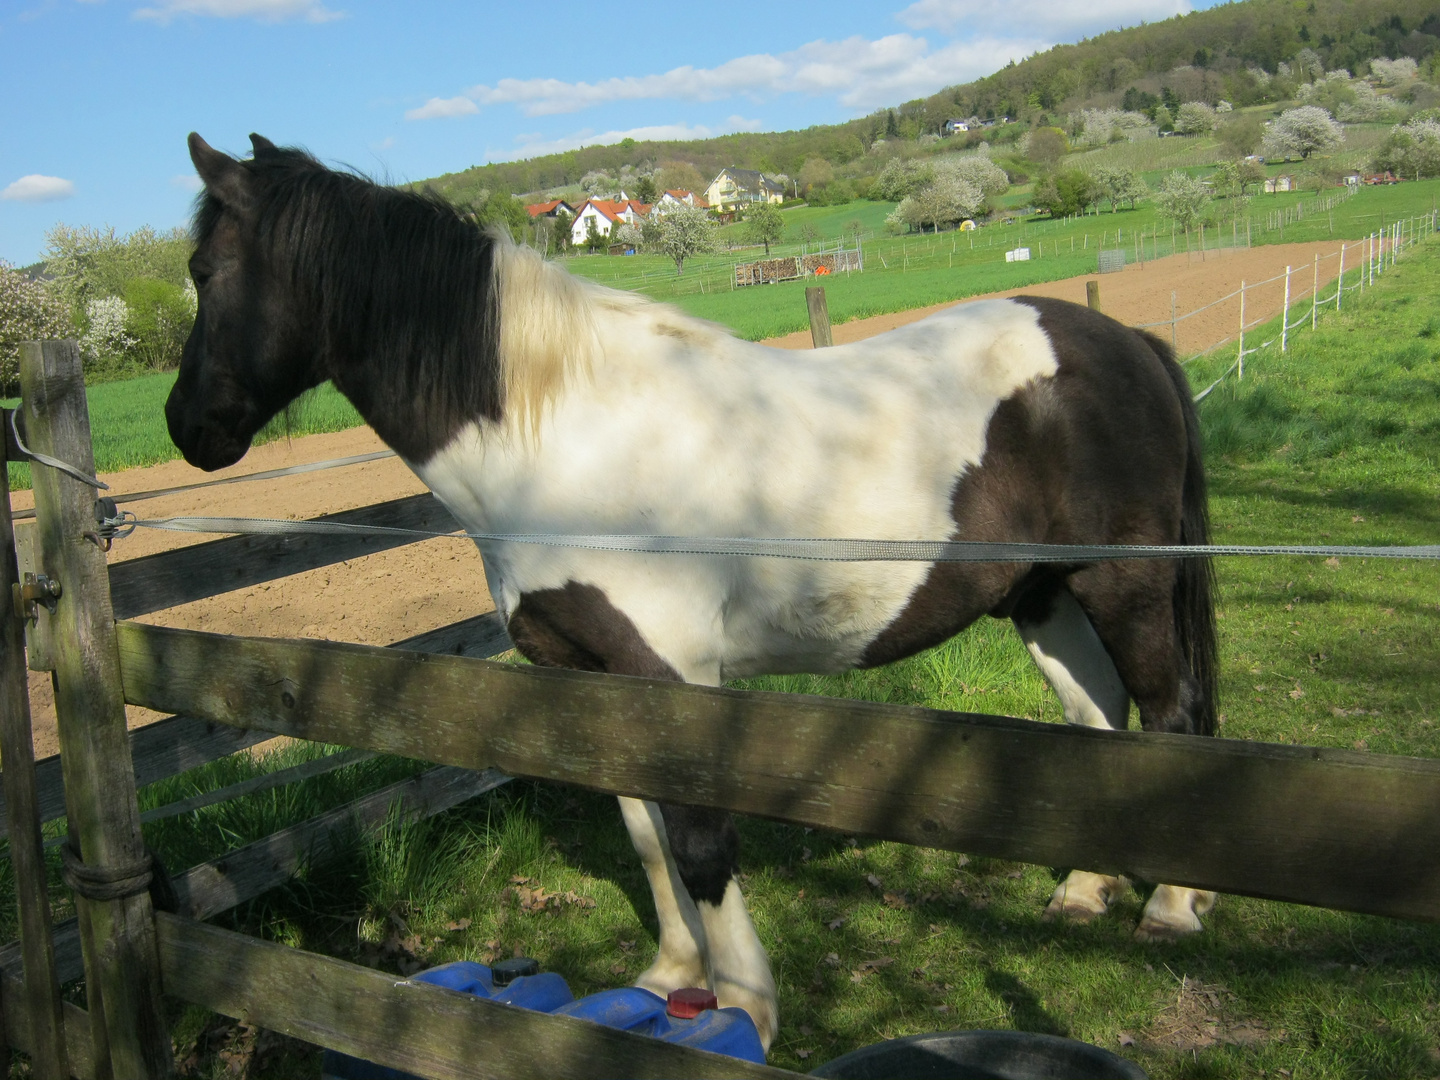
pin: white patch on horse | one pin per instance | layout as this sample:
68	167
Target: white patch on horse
1069	654
681	960
704	435
547	337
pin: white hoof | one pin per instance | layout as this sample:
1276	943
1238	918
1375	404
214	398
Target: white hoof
667	974
1174	913
1083	896
758	1001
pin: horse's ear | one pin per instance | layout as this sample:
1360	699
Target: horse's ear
224	179
260	144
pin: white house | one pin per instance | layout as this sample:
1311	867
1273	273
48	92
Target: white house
736	187
607	214
553	208
954	127
670	199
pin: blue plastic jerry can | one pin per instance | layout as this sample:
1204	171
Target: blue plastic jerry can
690	1016
518	982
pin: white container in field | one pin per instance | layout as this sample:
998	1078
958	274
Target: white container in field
1018	255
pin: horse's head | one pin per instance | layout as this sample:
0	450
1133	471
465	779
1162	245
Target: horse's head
251	352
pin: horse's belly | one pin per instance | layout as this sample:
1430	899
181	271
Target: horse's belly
809	617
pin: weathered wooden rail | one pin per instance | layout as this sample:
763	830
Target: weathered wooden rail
1333	828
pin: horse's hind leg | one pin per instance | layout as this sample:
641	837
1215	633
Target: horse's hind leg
1129	606
1068	652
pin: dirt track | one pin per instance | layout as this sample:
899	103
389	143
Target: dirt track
382	598
1141	293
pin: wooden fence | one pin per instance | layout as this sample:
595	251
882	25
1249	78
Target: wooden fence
791	267
1335	828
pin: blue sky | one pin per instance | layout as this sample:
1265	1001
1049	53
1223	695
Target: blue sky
101	93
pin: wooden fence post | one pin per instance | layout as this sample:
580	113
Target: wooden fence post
1240	358
122	960
1092	294
1340	287
819	316
1285	312
41	1000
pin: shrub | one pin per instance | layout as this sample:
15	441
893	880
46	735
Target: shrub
1195	118
1182	199
159	321
900	177
1300	132
29	311
1067	192
106	343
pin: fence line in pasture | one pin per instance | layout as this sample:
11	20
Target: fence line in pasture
1376	253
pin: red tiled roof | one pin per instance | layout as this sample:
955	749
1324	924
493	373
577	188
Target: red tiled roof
539	209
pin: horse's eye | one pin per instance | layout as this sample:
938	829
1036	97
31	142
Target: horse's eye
199	279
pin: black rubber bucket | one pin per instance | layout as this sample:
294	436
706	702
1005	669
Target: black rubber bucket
980	1055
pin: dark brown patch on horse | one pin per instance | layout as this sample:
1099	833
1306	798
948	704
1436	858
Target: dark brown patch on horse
577	627
1052	474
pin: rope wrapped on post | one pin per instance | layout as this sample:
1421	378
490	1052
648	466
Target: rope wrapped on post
118	880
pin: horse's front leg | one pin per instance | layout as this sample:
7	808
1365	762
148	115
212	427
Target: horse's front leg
681	960
706	851
689	854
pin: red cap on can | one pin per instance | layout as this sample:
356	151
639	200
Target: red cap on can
690	1001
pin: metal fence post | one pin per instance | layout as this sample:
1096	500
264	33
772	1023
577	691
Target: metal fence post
107	858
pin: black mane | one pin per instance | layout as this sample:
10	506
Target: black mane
399	285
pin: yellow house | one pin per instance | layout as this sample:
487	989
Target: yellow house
736	187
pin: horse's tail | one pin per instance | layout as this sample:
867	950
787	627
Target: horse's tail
1194	598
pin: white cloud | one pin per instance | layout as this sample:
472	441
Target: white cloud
1055	19
443	107
187	181
270	11
37	188
534	145
861	74
384	144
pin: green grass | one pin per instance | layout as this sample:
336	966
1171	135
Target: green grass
1338	440
127	420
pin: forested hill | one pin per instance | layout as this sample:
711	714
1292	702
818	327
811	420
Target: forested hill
1206	55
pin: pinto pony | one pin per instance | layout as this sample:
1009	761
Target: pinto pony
532	402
